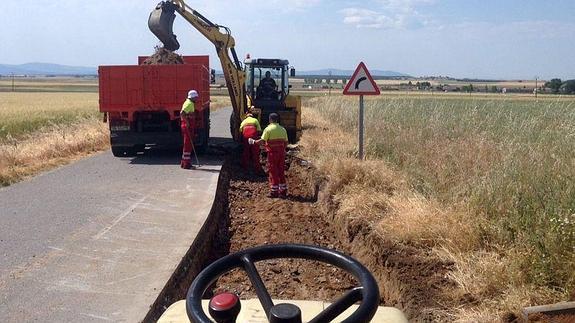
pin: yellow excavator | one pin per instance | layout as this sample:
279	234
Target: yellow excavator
248	84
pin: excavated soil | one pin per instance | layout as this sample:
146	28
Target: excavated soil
408	279
163	56
257	220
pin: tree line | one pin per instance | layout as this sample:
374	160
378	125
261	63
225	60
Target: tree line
558	86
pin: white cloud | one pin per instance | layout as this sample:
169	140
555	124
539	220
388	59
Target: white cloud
393	14
364	18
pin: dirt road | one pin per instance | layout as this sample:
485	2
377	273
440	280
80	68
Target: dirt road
98	239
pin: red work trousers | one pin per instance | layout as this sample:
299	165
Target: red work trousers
276	168
251	156
250	153
187	136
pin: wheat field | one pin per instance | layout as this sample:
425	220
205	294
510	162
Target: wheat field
39	131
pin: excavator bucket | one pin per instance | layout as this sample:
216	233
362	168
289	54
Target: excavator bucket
161	22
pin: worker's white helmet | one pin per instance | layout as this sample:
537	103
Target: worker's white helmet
192	94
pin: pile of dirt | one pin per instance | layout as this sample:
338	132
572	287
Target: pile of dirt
163	56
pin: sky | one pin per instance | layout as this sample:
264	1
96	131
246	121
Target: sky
496	39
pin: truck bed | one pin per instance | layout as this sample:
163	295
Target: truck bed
131	88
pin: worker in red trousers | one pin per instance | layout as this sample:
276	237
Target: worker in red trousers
187	128
250	129
276	139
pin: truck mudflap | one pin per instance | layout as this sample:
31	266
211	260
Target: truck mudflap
161	23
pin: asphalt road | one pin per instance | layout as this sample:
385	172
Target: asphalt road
96	240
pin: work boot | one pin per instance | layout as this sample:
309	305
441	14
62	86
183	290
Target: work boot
283	195
186	165
273	195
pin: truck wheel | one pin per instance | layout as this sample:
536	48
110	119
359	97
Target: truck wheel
123	151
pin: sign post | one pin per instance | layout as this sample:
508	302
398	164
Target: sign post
361	83
360	140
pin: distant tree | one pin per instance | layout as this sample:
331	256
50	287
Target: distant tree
494	89
423	85
468	88
486	88
568	87
554	85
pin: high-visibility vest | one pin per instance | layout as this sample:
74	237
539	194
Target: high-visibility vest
250	127
276	137
188	106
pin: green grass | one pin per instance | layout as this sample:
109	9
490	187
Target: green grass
508	163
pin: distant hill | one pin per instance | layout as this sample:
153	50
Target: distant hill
57	69
338	72
46	69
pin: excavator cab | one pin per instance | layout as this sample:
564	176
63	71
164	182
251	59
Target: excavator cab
268	90
267	80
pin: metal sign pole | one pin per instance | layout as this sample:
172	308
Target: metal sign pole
361	127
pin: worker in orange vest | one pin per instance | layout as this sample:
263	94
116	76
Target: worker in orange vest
250	129
276	139
187	128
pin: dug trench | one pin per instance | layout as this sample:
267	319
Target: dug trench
243	217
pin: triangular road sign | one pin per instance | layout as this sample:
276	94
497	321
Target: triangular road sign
361	83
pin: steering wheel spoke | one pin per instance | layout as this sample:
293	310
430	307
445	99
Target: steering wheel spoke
257	282
339	306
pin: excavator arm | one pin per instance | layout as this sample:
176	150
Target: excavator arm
160	23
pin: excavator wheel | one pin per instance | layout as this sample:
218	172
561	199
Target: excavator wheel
235	126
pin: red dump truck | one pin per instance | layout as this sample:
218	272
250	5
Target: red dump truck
142	103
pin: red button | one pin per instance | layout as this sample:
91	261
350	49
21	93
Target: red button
224	301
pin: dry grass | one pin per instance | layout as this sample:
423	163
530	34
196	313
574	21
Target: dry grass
219	102
39	131
486	185
51	147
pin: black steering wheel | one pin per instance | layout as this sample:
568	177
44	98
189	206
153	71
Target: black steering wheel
367	292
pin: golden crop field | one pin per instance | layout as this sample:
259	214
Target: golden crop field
23	113
42	130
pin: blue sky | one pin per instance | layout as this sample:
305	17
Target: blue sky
506	39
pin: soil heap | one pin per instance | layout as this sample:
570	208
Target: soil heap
163	56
